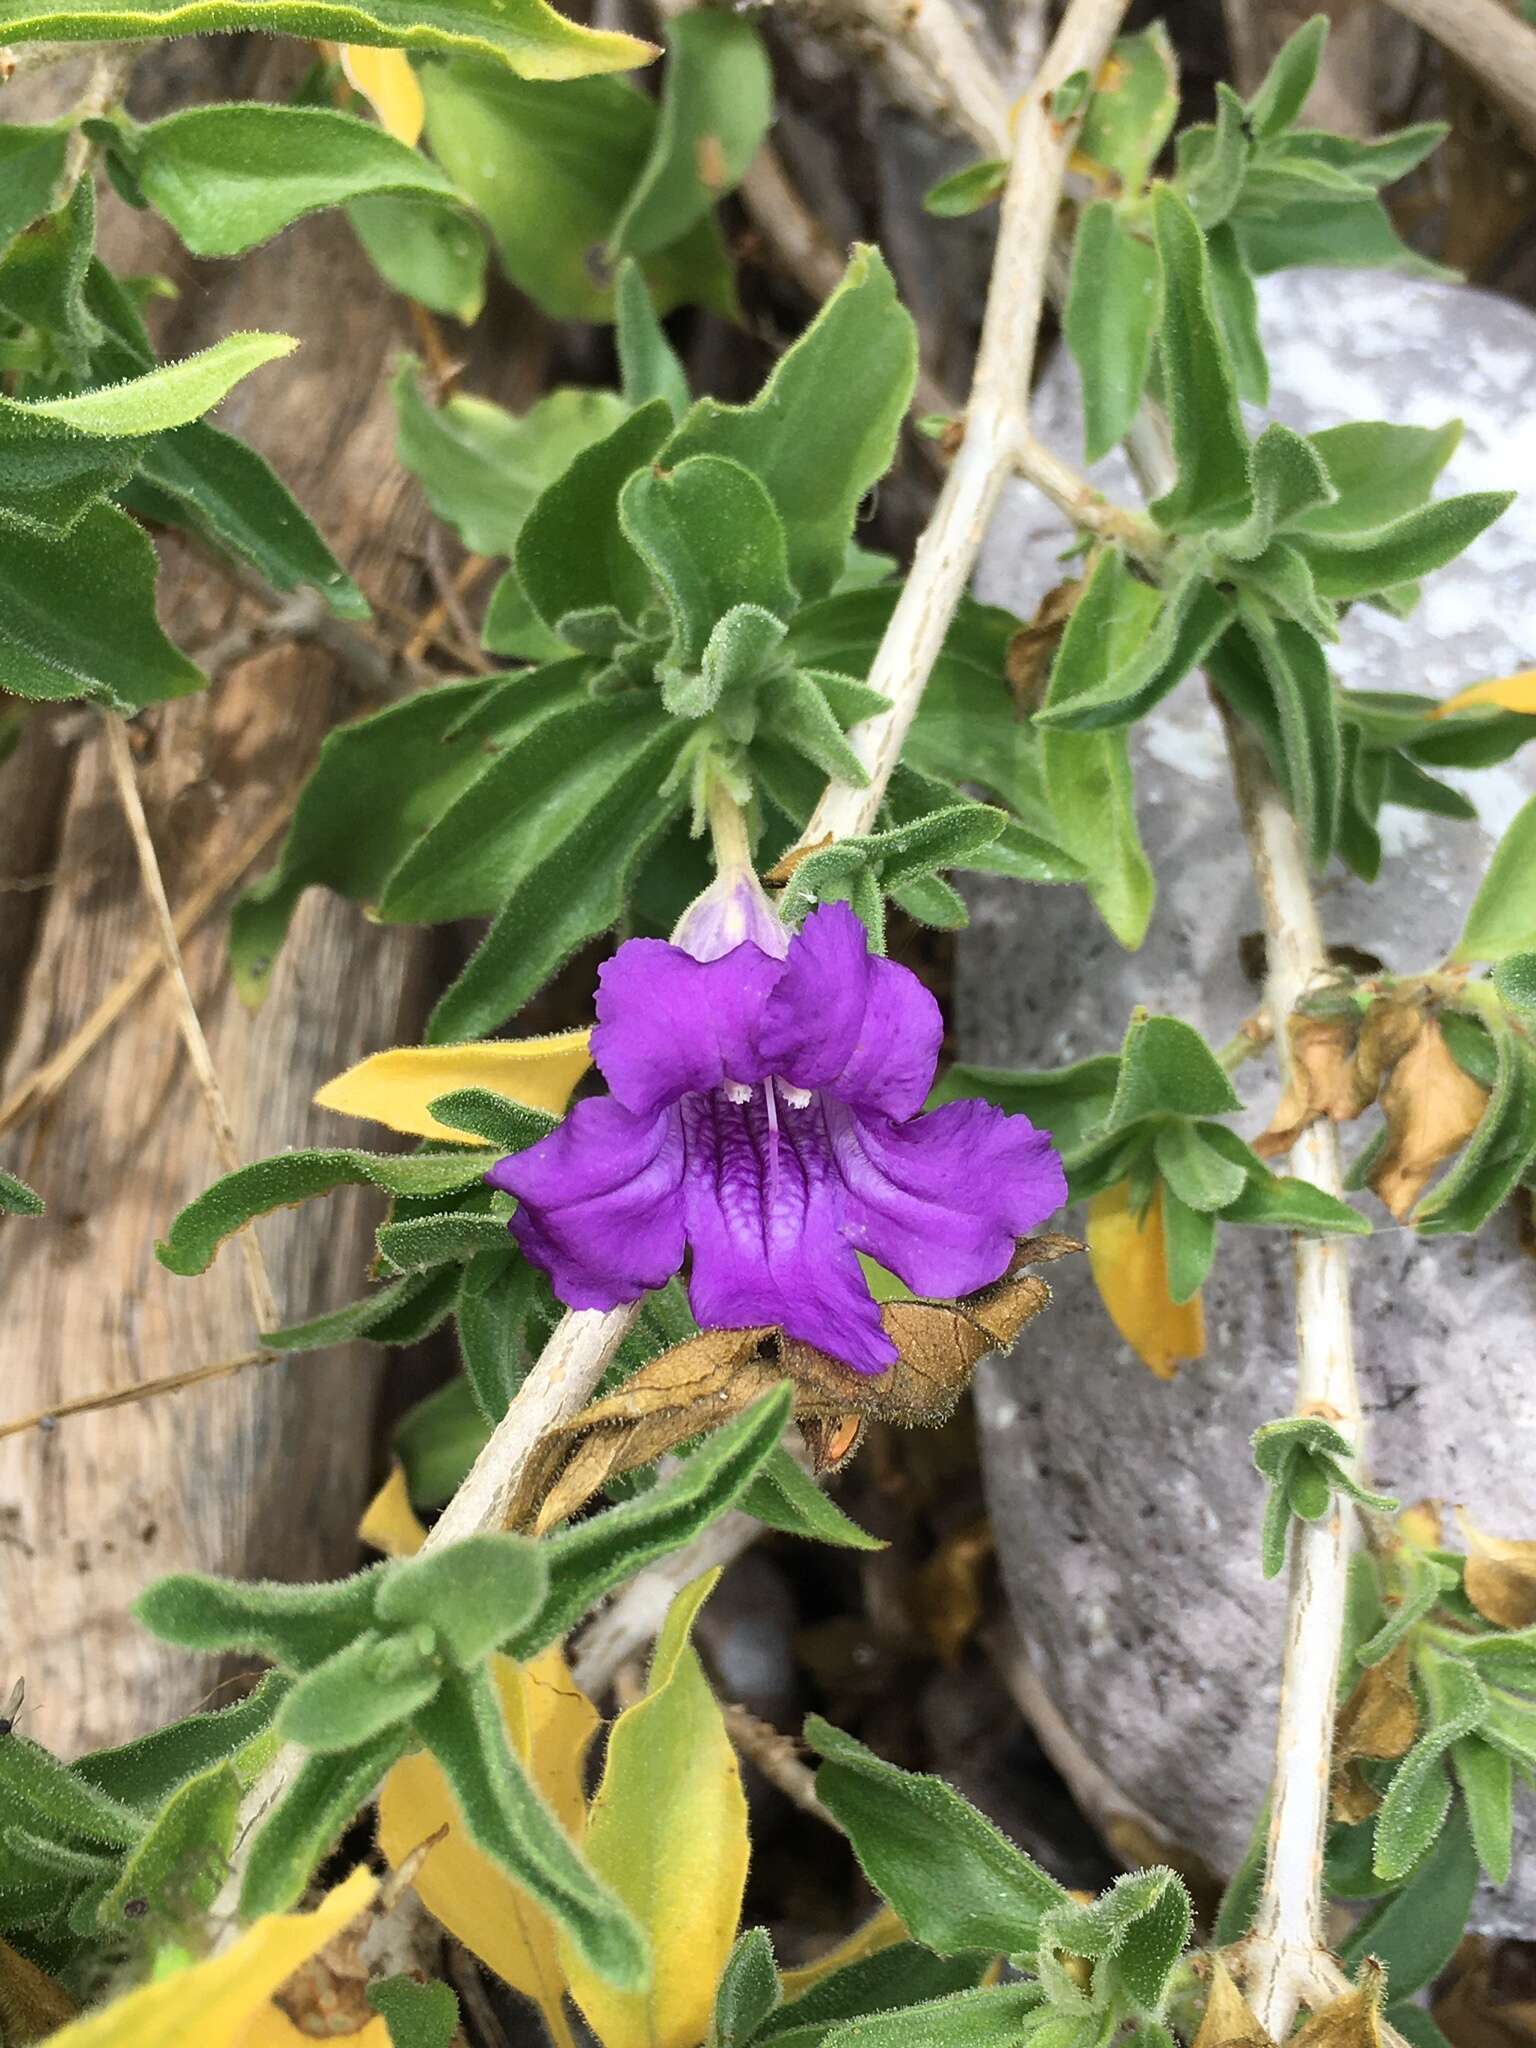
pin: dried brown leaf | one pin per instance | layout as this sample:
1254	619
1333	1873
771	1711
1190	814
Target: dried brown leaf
1500	1576
1378	1721
1033	647
1228	2019
1353	2021
1481	2007
1324	1080
32	2004
1432	1107
701	1384
782	869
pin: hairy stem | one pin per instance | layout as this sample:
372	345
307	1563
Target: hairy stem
996	421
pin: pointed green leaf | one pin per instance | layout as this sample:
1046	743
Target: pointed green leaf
716	103
1109	320
823	429
475	1594
1198	1173
1133	108
1236	306
1209	444
429	250
16	1198
1284	88
1502	920
748	1992
1358	565
648	363
370	1685
31	172
228	178
784	1496
572	552
1166	1067
526	35
324	1795
709	535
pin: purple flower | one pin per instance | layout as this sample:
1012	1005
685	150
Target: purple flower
763	1115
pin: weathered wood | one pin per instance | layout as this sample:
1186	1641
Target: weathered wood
262	1474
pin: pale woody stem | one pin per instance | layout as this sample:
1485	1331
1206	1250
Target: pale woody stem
996	421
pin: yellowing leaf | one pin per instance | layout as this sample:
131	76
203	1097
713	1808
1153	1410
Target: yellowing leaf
550	1723
1228	2020
1352	2021
1500	1576
274	2029
389	1521
225	2001
668	1830
395	1087
1504	693
32	2004
389	85
883	1930
1130	1269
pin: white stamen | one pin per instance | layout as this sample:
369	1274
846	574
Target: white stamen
794	1098
737	1092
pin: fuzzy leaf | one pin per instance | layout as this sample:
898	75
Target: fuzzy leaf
708	533
37	1784
33	163
823	429
1109	320
1290	77
16	1198
785	1497
955	1881
426	249
670	1802
716	103
648	363
1361	565
1416	1930
1209	444
196	1234
298	1627
228	178
371	1685
526	35
1502	920
418	2015
475	1595
322	1798
505	1816
749	1990
1134	105
506	1092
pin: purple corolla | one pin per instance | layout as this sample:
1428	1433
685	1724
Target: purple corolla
763	1115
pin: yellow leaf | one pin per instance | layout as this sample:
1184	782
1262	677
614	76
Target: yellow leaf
224	2002
884	1930
389	1521
395	1087
1504	693
668	1830
274	2029
550	1724
1500	1576
389	85
1228	2020
1130	1270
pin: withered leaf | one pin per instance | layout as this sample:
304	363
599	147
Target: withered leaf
1323	1080
946	1595
1500	1577
784	868
1378	1721
32	2004
1228	2018
701	1384
1353	2021
1032	648
1432	1107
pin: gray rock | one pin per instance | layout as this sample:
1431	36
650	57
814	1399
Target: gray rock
1127	1510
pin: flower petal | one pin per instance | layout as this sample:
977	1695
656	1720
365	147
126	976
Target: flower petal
765	1228
941	1199
844	1020
669	1025
600	1203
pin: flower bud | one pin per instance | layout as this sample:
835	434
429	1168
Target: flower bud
731	911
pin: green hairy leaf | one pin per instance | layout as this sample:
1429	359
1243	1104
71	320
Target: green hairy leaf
1133	108
890	1981
324	1795
426	249
421	1241
1279	99
966	191
648	364
357	1694
16	1198
823	429
183	1852
551	174
417	2015
716	103
1502	920
145	1772
572	552
1166	1067
1416	1930
987	2018
525	35
473	1595
298	1627
31	170
1111	314
78	619
954	1880
229	178
503	1814
1209	443
785	1497
749	1990
196	1234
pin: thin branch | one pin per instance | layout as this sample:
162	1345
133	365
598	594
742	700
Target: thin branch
120	757
44	1082
1085	506
930	59
777	1757
143	1390
996	420
1493	43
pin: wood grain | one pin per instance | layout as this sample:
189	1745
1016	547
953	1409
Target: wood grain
263	1474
